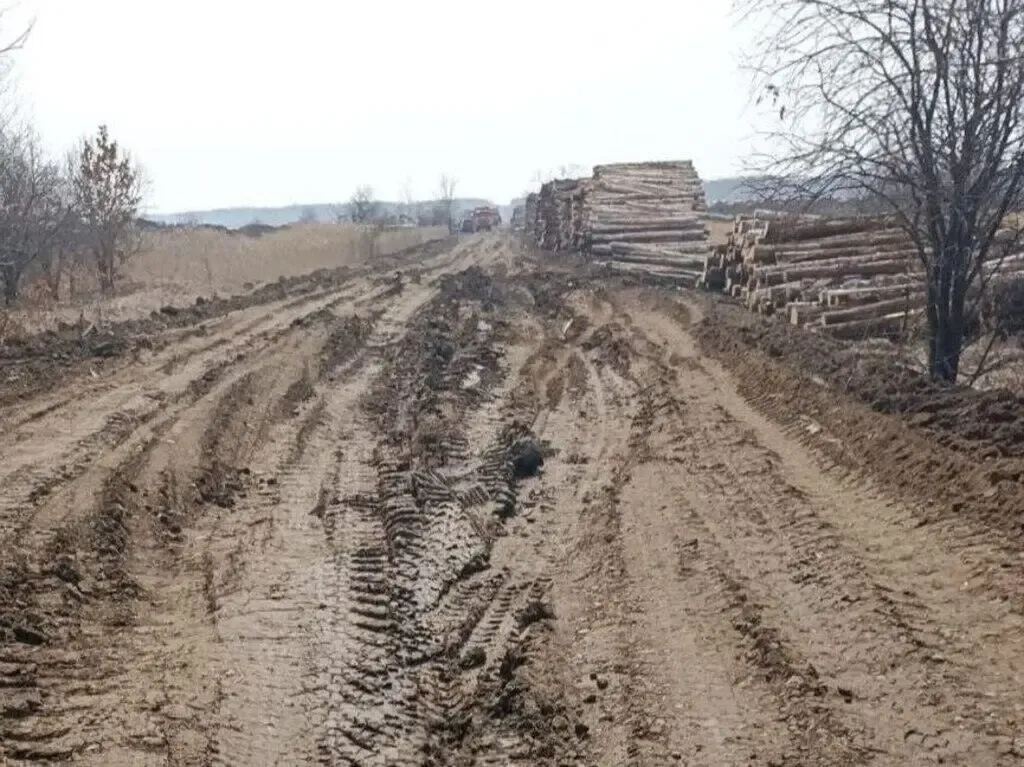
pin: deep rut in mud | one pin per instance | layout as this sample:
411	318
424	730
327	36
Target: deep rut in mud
506	513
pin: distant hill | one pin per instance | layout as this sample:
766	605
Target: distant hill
720	190
236	218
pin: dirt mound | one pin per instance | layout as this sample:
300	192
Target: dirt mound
989	422
469	284
346	336
612	345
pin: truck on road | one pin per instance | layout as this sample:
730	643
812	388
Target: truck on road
485	218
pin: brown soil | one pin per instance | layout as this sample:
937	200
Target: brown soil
312	533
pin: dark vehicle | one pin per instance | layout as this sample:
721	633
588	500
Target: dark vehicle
518	217
485	218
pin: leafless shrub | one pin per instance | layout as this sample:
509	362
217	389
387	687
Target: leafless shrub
363	207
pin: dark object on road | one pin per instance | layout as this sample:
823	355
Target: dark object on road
526	459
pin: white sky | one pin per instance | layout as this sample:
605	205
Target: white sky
230	103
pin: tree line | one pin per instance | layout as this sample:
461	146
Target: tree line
364	207
60	215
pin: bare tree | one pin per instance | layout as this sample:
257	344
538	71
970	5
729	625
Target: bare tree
915	106
33	211
411	209
308	215
446	195
18	41
340	213
63	252
108	192
362	205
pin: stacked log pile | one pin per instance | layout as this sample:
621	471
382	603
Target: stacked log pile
553	222
856	277
648	216
530	215
639	216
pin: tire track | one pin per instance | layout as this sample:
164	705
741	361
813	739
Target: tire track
858	638
65	451
151	459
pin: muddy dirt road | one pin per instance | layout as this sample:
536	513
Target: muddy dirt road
311	530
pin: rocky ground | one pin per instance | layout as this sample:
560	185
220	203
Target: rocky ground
504	509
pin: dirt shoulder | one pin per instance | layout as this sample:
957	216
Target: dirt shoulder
958	449
33	363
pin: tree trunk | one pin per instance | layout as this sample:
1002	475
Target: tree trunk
106	268
10	275
945	317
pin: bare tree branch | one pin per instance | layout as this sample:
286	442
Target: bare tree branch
914	106
446	194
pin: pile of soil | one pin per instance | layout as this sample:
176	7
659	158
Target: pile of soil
989	423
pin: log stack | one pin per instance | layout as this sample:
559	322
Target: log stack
649	217
853	277
553	226
530	216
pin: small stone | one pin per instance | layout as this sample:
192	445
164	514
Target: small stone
176	711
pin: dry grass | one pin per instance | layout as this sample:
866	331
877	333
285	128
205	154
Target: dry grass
205	261
179	265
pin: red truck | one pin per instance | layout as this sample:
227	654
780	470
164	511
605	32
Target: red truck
485	218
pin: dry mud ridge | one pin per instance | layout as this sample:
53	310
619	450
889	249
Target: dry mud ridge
309	527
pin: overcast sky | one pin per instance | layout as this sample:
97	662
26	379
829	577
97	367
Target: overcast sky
231	103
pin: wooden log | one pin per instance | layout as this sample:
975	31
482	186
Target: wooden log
790	291
815	229
838	245
680	262
867	258
642	228
892	250
685	277
802	312
876	309
838	297
668	235
690	249
887	326
644	224
834	270
842	270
